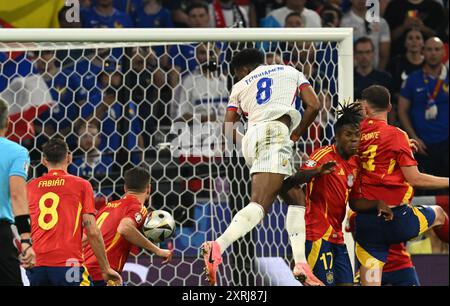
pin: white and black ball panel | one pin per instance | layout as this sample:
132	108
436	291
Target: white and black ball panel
159	226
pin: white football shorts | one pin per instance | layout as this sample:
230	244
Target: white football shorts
267	147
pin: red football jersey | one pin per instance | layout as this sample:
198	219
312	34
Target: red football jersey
117	248
57	202
327	195
398	258
383	150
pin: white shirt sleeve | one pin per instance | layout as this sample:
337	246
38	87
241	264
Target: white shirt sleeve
233	102
302	81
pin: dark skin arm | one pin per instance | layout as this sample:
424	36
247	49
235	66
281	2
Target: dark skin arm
231	117
305	176
364	205
309	97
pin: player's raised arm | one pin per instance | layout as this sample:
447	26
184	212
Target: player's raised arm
128	230
231	117
305	176
363	206
95	238
312	103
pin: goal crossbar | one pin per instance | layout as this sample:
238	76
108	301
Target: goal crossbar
175	35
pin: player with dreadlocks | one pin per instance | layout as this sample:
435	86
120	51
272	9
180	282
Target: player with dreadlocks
327	194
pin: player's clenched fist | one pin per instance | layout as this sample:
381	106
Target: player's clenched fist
166	254
112	278
27	257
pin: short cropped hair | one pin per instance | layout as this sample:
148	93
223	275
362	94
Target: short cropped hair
137	179
196	5
248	57
377	96
55	150
363	40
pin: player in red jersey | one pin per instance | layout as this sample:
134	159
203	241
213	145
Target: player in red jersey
389	174
120	223
399	269
61	205
330	173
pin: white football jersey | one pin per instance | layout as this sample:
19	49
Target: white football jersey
267	93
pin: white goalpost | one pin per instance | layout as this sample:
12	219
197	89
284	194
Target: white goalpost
125	97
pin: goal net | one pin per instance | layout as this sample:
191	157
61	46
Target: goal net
157	98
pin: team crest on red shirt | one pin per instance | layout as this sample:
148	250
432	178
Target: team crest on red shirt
138	217
350	178
311	163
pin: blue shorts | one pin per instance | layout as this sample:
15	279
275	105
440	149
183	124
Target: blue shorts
100	283
59	276
403	277
374	235
330	262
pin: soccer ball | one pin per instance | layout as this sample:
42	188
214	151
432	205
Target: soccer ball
159	226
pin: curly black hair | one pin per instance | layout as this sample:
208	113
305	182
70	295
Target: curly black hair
349	114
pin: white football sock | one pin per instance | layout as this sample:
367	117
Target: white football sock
243	222
295	226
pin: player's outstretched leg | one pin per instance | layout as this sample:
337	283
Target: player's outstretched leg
440	225
265	188
295	226
243	222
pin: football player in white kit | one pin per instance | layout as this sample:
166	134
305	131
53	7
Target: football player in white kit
267	95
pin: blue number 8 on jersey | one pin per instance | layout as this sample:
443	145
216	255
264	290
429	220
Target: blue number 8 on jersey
264	90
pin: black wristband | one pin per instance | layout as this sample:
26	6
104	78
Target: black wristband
29	241
23	224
